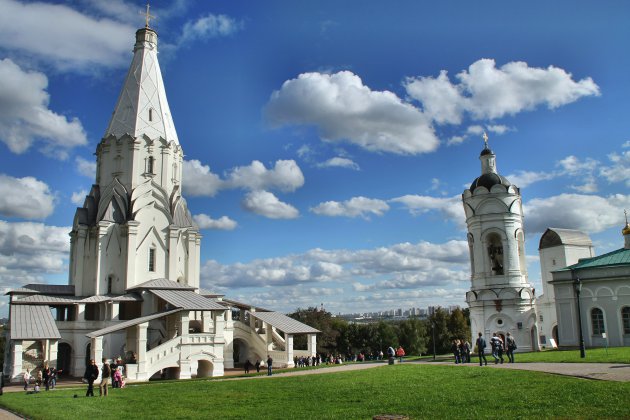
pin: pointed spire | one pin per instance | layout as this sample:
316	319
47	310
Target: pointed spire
626	231
142	107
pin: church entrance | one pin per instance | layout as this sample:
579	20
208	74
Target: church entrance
241	352
204	369
554	333
64	358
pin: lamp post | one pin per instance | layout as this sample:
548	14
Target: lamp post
577	285
433	331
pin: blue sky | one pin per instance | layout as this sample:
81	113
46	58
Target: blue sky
327	143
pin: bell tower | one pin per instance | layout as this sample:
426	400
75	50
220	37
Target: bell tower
500	298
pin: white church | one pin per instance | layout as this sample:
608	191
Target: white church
580	290
133	290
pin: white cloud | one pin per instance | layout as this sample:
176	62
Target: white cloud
222	223
25	117
487	92
267	204
355	207
86	167
26	198
455	140
285	176
198	180
28	251
339	162
345	110
208	27
451	207
64	37
404	264
588	213
619	171
523	179
78	198
498	128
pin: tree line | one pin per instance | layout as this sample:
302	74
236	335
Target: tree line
339	336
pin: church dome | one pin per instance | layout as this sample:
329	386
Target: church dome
486	151
489	180
626	229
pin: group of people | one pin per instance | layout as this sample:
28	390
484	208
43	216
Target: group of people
46	376
461	350
498	347
113	372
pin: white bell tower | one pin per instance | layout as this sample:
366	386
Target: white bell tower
500	298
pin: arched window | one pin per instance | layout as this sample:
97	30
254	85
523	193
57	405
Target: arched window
597	321
150	164
625	319
495	252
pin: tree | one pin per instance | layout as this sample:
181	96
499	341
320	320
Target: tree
412	336
323	321
439	320
458	325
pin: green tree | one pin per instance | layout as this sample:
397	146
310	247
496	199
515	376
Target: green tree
439	321
412	336
458	325
324	322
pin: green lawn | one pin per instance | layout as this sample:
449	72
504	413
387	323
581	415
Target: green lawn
416	390
598	355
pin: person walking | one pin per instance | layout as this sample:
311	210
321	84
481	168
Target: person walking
91	373
481	349
26	378
455	350
497	348
400	353
106	372
269	364
511	346
257	365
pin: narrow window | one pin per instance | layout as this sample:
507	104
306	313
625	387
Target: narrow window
110	280
150	162
150	114
597	321
625	319
152	259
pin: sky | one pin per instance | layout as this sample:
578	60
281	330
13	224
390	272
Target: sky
327	144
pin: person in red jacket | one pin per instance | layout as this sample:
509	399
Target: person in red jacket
400	353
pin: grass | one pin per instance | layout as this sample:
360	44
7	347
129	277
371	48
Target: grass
595	355
416	390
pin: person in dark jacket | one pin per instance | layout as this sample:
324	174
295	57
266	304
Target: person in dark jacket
106	373
91	373
269	364
481	349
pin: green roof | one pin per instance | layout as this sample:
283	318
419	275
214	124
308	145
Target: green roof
614	258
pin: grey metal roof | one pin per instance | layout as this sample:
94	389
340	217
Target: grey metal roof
556	237
130	323
32	322
69	300
188	300
284	323
162	284
243	306
47	289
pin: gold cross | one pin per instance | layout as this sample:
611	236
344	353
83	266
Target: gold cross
625	212
485	139
148	16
